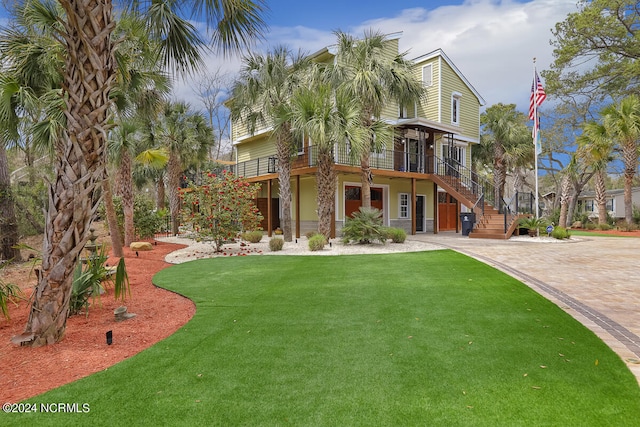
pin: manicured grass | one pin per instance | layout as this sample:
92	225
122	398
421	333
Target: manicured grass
430	338
593	233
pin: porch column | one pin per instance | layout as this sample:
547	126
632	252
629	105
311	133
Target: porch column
297	206
435	208
269	219
413	206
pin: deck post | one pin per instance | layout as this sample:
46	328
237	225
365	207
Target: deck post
413	206
297	206
269	208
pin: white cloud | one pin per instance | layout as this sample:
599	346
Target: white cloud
493	42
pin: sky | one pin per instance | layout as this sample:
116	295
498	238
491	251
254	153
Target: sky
492	42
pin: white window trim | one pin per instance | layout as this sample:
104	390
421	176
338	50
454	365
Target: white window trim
430	82
456	98
400	216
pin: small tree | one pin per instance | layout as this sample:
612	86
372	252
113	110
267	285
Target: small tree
221	208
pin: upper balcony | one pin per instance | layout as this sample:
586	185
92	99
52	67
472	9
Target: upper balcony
400	162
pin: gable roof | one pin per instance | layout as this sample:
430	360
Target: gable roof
440	53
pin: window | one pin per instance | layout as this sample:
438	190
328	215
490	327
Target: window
352	193
455	108
610	205
300	144
454	152
402	112
403	204
588	206
427	75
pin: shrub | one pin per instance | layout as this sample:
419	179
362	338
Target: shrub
603	227
219	209
8	293
252	236
590	226
146	220
310	234
88	279
533	223
560	233
625	226
317	242
397	235
365	226
636	214
276	244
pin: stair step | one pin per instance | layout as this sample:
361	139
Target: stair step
475	235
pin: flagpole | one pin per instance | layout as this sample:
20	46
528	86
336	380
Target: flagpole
536	130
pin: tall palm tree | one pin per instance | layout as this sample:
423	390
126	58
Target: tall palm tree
329	118
186	137
261	96
89	74
373	78
622	121
596	148
504	130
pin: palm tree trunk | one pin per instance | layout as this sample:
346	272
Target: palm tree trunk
499	173
126	190
365	179
174	169
630	156
160	193
8	221
564	201
326	182
79	164
112	221
601	199
284	181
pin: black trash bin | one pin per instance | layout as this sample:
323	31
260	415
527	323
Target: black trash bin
468	220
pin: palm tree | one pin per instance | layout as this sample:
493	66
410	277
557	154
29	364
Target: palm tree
596	148
186	137
622	121
373	78
89	74
260	96
506	133
329	118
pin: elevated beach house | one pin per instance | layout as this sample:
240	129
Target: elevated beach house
422	179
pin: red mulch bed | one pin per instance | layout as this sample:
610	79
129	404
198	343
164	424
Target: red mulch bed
26	372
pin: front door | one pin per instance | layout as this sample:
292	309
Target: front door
353	199
420	214
447	212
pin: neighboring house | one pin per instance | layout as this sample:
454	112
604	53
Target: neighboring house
421	179
615	202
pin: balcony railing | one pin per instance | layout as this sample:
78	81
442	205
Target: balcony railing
401	161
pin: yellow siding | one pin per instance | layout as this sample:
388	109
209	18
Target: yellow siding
308	199
469	105
430	106
259	148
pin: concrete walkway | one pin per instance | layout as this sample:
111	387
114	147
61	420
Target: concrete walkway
595	279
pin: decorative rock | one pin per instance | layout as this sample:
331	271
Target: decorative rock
121	314
140	246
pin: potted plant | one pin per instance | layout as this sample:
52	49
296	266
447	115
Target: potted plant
532	224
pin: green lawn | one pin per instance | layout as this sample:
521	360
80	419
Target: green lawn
574	232
430	338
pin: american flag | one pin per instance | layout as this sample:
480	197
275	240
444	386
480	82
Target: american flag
538	96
